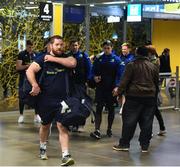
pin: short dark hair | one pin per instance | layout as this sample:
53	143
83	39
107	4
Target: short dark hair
148	42
108	43
28	42
166	50
51	39
142	51
73	40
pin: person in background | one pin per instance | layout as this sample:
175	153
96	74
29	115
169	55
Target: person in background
125	57
153	57
106	73
82	71
139	84
25	58
165	65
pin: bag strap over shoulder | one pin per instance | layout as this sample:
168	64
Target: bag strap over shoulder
42	73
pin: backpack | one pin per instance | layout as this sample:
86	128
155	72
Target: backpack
77	107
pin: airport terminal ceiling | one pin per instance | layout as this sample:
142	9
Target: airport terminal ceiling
115	1
95	1
85	2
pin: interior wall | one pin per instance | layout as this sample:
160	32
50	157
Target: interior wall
166	34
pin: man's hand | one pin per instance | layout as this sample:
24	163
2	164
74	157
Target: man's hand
49	58
27	66
97	79
35	90
115	91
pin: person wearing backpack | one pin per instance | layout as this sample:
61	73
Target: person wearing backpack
24	59
53	93
82	72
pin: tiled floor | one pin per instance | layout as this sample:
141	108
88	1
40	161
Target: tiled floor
19	144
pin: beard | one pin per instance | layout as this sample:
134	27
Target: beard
57	52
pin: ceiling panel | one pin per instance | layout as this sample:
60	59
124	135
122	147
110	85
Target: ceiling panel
127	1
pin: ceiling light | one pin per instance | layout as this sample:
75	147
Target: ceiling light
31	7
32	3
113	3
92	5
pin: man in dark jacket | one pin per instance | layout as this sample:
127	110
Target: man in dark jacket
106	73
25	58
139	84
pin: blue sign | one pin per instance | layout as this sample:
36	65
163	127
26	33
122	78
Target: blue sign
134	13
153	8
74	14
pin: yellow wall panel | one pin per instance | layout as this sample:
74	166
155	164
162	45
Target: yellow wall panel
57	19
166	34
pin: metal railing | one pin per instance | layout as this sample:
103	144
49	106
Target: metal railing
170	91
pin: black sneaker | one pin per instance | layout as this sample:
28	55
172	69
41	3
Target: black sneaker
109	132
96	134
120	148
42	154
144	148
67	161
161	133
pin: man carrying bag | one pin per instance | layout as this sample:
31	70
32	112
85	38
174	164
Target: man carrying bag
53	90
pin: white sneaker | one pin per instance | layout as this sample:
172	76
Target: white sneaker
21	119
81	129
37	119
120	111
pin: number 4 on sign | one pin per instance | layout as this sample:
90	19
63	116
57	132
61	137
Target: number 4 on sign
46	9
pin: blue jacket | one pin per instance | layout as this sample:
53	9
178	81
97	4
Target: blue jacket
124	61
108	67
83	67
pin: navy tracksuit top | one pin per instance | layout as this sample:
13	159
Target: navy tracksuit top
108	67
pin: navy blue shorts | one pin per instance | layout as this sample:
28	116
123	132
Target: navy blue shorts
49	109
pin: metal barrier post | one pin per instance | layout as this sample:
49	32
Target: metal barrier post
177	89
171	105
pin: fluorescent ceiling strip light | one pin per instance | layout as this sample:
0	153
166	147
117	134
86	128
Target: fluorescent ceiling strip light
32	3
113	3
31	7
92	5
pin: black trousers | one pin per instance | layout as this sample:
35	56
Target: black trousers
159	118
21	103
137	110
104	98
